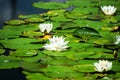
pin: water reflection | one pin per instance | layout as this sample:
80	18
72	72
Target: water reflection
10	9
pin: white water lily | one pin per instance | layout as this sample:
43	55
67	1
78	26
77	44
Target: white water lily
45	27
56	44
117	40
108	10
103	65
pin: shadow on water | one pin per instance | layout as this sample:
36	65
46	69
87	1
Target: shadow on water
12	74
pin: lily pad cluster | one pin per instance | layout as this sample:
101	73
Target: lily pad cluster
91	35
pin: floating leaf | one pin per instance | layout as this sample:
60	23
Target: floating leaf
22	43
36	76
34	20
53	53
52	13
80	55
8	62
83	3
50	5
7	33
15	22
58	71
85	32
30	16
32	34
60	18
35	58
84	68
23	53
22	28
34	67
83	11
2	51
69	25
89	23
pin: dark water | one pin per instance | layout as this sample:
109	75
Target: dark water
12	74
10	9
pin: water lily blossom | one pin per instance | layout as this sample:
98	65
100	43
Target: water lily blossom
46	27
56	44
103	65
108	10
117	40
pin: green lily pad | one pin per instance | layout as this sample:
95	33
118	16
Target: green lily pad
23	53
29	16
85	32
83	3
15	22
84	68
2	51
50	5
8	62
32	34
34	20
58	71
89	23
60	18
53	53
36	76
34	67
35	58
21	43
52	13
7	33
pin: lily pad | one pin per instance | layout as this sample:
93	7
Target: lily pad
36	76
15	22
8	62
23	53
34	20
7	33
84	68
50	5
85	32
21	43
2	51
58	71
29	16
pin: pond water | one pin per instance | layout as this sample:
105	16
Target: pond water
60	41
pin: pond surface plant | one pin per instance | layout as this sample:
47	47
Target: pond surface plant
74	40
